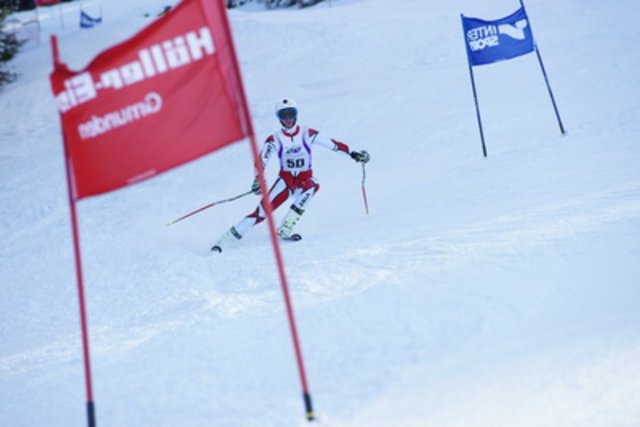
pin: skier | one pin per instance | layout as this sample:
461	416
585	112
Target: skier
293	144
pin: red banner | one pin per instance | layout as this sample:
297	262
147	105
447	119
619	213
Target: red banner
47	2
168	95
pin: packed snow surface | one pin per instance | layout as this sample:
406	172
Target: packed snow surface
498	291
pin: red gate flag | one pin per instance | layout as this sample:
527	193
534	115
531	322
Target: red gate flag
168	95
46	2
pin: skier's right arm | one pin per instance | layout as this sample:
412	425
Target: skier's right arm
268	148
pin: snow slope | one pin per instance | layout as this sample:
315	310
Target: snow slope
478	292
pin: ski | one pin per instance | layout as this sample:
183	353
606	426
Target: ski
295	237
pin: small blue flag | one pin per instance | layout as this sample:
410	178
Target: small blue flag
87	21
491	41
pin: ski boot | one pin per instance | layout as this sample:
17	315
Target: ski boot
227	238
285	231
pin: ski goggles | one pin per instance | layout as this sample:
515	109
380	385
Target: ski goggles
287	113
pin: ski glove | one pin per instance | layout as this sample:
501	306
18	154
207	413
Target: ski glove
255	187
360	156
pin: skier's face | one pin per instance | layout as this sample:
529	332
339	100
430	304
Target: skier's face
288	117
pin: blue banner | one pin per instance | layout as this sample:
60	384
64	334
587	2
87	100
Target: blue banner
87	21
491	41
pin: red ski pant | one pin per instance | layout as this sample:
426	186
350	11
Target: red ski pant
302	187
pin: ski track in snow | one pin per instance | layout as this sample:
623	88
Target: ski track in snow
355	272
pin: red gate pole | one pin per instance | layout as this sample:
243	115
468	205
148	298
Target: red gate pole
269	213
78	262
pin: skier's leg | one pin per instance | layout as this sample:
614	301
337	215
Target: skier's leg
278	194
307	189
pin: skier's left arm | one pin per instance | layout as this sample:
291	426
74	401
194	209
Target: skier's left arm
335	145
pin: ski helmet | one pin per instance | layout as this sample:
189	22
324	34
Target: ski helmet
287	112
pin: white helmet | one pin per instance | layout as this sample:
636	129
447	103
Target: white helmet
287	112
285	103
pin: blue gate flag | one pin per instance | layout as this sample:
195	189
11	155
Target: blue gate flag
87	21
491	41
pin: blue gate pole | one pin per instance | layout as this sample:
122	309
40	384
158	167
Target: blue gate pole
546	79
475	94
553	100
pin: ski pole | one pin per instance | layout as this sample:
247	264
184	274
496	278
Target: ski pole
364	192
210	205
